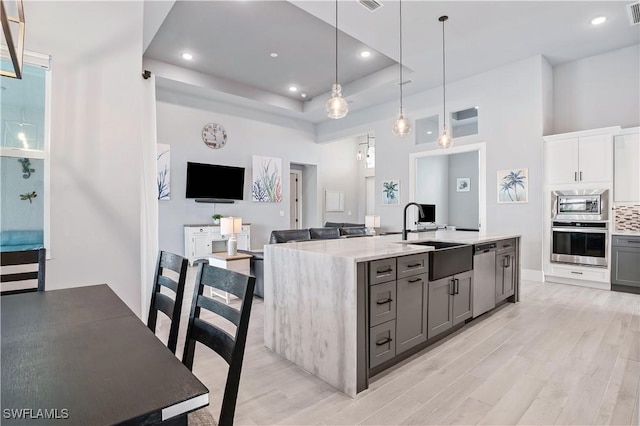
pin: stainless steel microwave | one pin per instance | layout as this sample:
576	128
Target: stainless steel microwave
580	204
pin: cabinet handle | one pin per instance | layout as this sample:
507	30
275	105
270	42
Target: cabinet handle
386	271
634	241
580	176
452	287
384	341
575	176
456	285
384	302
577	273
415	280
506	246
414	265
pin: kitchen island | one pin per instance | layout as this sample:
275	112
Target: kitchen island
330	303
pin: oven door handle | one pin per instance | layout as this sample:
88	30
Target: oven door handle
582	230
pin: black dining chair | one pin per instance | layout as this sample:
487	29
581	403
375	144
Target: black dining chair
230	348
35	258
161	302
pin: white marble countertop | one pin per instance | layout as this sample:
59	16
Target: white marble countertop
627	233
363	249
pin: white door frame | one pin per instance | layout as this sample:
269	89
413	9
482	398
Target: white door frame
481	147
298	174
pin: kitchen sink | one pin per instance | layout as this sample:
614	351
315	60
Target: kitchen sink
438	245
448	258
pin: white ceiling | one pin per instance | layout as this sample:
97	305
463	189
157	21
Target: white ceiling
231	42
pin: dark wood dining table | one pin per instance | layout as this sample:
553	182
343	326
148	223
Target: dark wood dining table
80	356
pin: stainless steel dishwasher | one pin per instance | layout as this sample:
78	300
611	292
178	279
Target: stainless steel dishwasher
484	278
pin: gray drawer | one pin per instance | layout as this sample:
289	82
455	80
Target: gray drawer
413	265
381	271
382	303
382	343
626	241
509	244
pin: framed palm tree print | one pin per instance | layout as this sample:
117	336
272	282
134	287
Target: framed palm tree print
391	192
513	186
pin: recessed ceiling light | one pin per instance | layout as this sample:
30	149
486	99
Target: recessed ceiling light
293	89
429	132
365	54
187	56
273	54
599	20
304	95
476	107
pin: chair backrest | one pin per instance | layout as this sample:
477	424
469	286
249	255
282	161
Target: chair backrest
324	233
287	235
161	302
353	230
35	257
230	348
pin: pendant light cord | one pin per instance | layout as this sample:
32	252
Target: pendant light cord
444	85
336	41
401	57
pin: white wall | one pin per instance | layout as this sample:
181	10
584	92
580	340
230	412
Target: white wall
340	173
432	175
510	122
464	205
180	120
95	141
599	91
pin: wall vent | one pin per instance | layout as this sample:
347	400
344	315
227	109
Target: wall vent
371	5
633	10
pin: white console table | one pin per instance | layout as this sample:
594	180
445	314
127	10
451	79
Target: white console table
200	241
238	263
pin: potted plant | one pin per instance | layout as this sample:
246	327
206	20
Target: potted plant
216	219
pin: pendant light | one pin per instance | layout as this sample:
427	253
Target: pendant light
336	106
444	140
402	126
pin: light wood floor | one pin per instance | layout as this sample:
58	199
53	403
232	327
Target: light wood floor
563	355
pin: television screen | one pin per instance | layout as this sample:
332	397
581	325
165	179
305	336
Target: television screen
429	213
214	181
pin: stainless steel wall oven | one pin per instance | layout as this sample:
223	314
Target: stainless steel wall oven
580	243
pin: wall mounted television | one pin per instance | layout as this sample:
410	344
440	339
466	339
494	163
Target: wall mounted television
429	213
214	183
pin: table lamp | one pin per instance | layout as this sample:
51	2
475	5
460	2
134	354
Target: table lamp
231	226
372	222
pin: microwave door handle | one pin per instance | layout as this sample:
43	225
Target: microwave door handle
582	230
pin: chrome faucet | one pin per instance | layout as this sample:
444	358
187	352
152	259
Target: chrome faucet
404	219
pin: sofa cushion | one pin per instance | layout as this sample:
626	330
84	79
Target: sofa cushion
287	235
343	225
353	230
324	233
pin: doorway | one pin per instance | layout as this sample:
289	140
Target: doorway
295	197
465	186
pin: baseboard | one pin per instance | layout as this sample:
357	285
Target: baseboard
532	275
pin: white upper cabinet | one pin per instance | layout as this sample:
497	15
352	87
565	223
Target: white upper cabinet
561	161
626	183
579	157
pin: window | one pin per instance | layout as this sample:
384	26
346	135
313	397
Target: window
24	155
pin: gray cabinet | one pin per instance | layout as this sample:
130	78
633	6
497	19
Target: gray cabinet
411	317
505	270
382	303
382	343
397	306
450	302
462	298
625	261
440	310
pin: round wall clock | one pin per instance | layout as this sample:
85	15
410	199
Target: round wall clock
214	136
